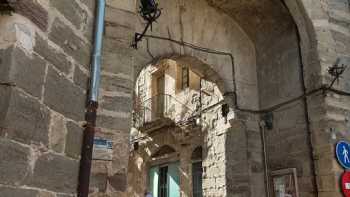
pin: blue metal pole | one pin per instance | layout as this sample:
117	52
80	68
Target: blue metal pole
97	51
91	111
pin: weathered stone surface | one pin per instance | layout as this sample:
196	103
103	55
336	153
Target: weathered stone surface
16	192
120	104
80	78
118	181
5	63
72	44
26	72
5	97
71	10
74	140
14	162
33	11
63	96
120	124
58	133
55	57
55	173
128	5
116	84
118	63
125	18
91	4
64	195
99	181
27	120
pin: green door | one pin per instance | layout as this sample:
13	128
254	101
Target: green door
153	181
173	180
164	181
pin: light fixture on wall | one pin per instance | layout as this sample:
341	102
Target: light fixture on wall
150	12
6	7
337	70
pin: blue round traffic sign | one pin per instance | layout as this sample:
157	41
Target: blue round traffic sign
343	154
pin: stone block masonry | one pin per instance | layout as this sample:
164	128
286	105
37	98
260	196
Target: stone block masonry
44	56
45	49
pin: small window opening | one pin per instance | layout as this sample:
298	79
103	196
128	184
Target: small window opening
185	77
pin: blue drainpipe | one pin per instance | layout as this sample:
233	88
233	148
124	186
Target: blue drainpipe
92	105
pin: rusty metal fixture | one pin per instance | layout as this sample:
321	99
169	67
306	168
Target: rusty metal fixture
336	71
6	7
91	113
150	12
86	153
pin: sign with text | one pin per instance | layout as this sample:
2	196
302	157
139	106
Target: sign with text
102	150
343	154
346	184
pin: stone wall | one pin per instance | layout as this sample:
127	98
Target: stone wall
44	61
330	114
45	52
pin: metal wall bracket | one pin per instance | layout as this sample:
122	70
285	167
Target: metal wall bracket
6	7
150	12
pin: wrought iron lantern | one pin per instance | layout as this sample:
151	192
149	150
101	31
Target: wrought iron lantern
6	7
150	12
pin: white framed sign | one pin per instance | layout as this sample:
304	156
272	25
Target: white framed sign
285	183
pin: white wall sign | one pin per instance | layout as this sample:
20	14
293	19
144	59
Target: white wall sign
103	149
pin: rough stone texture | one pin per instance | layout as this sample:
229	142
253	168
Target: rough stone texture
55	57
14	165
72	11
34	11
63	96
71	43
58	133
73	140
116	84
99	182
260	34
55	173
115	123
11	192
80	78
25	71
26	120
121	104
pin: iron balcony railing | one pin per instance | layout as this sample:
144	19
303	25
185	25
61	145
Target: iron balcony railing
160	107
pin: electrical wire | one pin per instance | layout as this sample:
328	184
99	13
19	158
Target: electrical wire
237	107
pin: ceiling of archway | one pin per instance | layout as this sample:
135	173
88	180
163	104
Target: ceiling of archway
258	18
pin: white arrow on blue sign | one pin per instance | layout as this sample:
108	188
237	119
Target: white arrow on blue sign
343	154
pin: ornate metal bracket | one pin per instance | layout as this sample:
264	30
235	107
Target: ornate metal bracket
6	7
150	12
336	71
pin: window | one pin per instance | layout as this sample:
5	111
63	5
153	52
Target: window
185	77
163	181
197	172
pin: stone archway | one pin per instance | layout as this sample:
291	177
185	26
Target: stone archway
255	61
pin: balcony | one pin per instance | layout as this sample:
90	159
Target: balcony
161	110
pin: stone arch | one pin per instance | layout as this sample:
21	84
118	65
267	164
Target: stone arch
185	21
178	23
163	150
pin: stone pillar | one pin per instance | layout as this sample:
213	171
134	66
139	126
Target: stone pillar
186	171
117	82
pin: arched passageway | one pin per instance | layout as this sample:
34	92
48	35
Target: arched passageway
275	55
280	48
264	40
